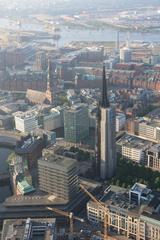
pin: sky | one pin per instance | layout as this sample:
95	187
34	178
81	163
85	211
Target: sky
24	5
110	2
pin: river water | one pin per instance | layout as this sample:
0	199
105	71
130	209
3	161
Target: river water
5	191
68	35
104	35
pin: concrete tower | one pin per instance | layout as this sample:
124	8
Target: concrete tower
49	91
105	144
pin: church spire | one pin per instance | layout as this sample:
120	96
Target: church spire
104	101
49	91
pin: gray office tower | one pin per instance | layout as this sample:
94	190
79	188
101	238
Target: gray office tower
76	123
105	136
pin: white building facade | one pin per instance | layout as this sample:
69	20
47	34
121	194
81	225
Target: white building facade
120	121
25	122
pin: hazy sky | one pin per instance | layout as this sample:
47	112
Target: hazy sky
71	4
30	2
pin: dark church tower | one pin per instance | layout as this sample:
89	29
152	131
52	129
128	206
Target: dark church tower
105	139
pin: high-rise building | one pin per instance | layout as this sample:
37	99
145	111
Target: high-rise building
76	123
58	175
105	144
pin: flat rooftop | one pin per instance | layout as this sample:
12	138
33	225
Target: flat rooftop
52	114
24	115
117	199
153	123
19	229
133	142
76	107
36	199
57	160
155	148
140	188
35	204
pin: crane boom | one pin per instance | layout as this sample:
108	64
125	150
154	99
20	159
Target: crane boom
68	215
92	197
61	212
105	209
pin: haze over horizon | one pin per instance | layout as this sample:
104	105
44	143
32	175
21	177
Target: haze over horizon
62	6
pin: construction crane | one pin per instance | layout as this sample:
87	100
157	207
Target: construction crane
102	206
69	215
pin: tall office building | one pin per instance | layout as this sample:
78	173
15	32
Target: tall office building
58	175
76	123
105	144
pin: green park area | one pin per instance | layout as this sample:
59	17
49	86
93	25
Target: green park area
128	172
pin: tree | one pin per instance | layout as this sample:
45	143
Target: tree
128	172
157	182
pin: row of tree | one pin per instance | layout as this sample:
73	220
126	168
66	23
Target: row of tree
128	173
